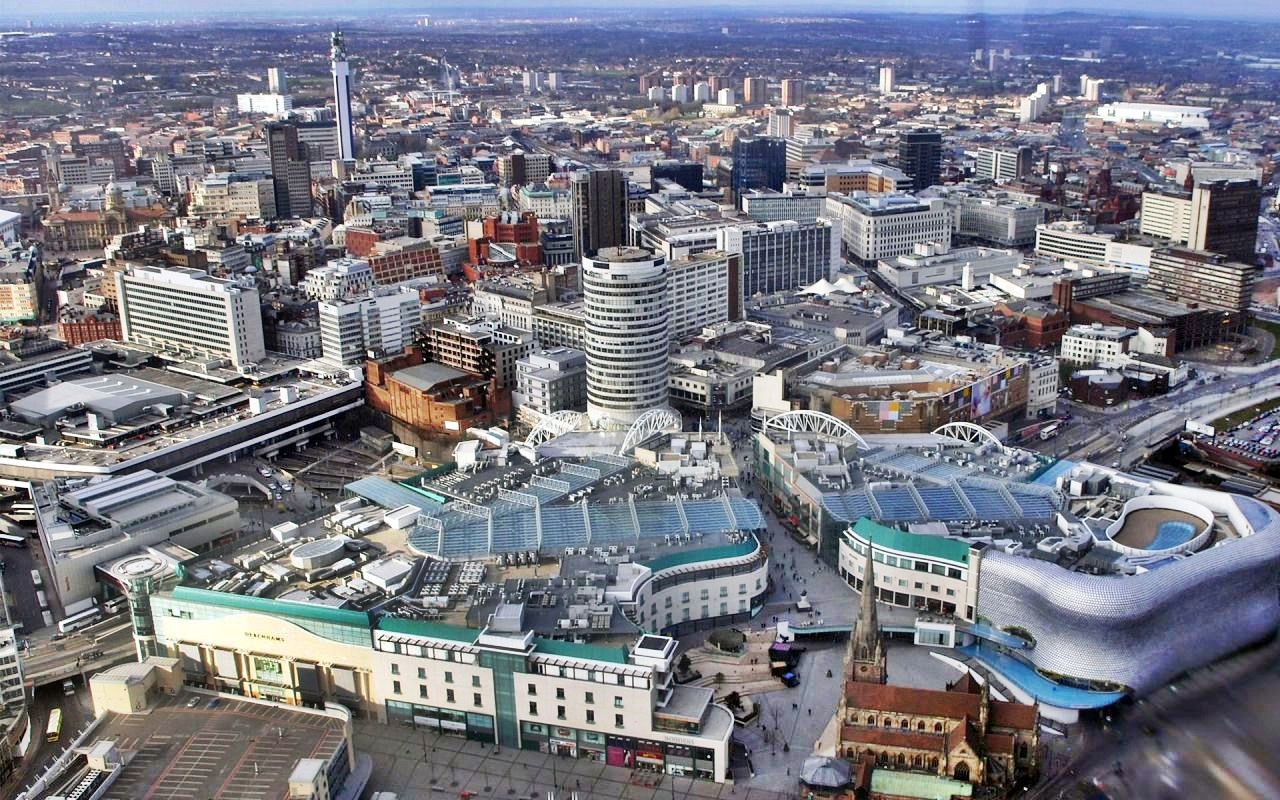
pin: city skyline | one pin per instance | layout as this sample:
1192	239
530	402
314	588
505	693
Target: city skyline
1230	9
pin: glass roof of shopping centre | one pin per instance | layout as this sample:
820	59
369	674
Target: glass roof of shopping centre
960	500
458	531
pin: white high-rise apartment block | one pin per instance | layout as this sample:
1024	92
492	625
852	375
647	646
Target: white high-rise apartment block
888	80
726	97
188	311
701	92
276	105
658	94
628	334
1091	89
681	93
342	96
1034	105
342	277
277	82
879	226
382	322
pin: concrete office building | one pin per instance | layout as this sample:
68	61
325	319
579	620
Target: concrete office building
1218	216
189	312
1205	279
781	123
552	380
341	71
520	169
29	358
228	196
920	156
1072	241
783	255
883	226
703	290
561	324
290	171
81	528
855	175
342	277
1088	345
931	264
766	205
1004	163
1003	223
381	322
480	346
628	333
598	204
275	105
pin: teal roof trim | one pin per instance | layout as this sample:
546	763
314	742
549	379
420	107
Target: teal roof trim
684	557
272	607
431	630
594	652
921	544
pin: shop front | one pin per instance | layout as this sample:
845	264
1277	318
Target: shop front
679	760
650	755
564	742
476	727
591	746
533	736
620	751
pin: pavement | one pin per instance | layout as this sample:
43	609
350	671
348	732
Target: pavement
422	765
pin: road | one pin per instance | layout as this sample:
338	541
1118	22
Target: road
1096	433
77	711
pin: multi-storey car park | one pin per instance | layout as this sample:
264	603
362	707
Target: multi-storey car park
1075	585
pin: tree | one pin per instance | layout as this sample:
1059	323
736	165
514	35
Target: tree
719	678
733	700
684	664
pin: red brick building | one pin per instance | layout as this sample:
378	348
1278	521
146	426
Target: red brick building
431	397
360	241
90	329
402	258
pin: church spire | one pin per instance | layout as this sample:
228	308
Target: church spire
866	652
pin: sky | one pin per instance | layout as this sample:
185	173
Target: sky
177	9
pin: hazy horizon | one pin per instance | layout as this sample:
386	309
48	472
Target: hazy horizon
133	9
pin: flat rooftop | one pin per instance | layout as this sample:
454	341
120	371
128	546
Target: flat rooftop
238	750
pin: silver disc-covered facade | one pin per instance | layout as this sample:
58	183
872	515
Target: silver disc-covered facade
1142	630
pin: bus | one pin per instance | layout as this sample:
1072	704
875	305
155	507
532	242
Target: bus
115	605
77	621
9	540
1051	430
53	731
